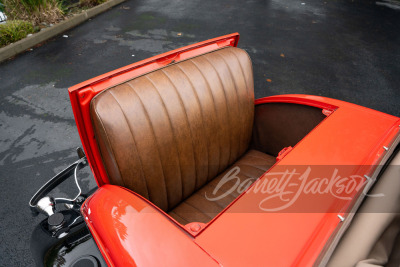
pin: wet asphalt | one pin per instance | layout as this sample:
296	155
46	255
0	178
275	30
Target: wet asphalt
349	50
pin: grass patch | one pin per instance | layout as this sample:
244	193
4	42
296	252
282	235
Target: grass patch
91	3
28	16
35	11
14	30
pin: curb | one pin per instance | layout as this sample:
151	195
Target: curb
45	34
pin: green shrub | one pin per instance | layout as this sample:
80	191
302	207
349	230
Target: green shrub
35	11
14	30
90	3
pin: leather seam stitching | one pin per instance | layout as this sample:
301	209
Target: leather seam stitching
189	126
155	138
134	142
108	141
202	116
172	130
242	71
226	105
248	94
171	64
237	98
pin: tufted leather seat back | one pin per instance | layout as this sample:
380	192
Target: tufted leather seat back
169	132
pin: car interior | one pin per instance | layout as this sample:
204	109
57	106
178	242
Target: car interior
172	134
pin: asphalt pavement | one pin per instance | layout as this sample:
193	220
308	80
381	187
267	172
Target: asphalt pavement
349	50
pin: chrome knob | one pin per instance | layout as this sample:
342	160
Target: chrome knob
46	206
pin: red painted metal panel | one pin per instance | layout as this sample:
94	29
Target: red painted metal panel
130	232
249	232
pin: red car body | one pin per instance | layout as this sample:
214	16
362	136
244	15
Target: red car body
131	231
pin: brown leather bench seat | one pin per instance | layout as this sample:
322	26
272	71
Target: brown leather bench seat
172	134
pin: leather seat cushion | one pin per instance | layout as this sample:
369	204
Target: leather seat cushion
169	132
206	203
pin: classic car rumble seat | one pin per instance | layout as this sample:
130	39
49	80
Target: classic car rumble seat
172	134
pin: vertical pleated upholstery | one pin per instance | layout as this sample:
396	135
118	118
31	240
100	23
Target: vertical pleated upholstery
169	132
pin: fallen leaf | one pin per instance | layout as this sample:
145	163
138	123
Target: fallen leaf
269	80
179	34
282	55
